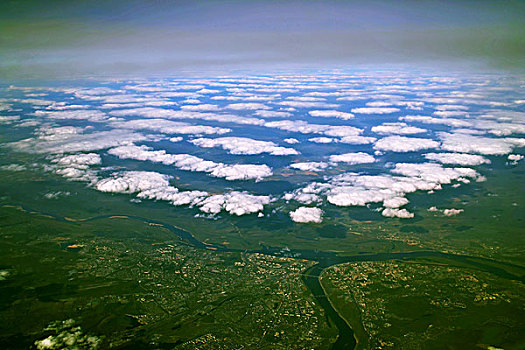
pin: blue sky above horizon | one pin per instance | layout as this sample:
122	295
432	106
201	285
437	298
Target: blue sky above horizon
64	38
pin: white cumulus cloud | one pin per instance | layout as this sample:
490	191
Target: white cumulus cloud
397	128
307	215
332	114
247	106
291	141
235	203
457	158
452	212
273	114
459	142
309	166
91	115
71	139
352	158
192	163
169	127
243	145
323	139
400	213
404	144
132	182
200	107
375	110
514	158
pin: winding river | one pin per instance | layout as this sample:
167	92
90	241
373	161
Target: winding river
346	339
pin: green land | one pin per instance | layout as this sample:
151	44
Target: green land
104	272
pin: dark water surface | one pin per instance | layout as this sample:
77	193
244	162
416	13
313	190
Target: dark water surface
324	260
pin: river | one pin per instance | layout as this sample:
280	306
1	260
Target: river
323	260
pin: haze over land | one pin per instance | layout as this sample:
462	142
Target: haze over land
64	38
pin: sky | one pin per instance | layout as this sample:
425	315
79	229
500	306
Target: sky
64	38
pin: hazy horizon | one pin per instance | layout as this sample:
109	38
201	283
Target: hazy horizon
59	38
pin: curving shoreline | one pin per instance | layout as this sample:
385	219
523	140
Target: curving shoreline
346	338
311	277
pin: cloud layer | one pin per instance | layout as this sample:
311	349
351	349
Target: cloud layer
319	140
